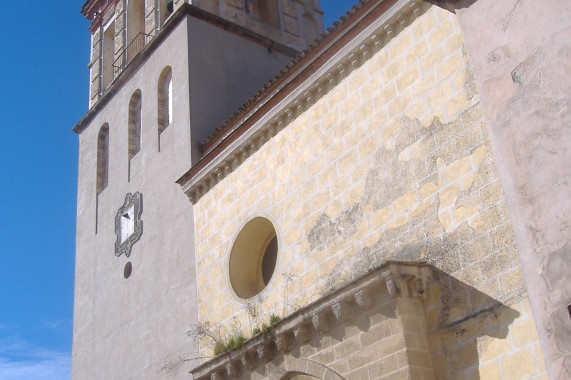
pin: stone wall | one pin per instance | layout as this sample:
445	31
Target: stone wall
393	163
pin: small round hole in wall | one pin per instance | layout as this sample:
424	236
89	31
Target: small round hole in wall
253	257
128	269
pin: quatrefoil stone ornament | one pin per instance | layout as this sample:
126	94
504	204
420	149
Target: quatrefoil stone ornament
128	224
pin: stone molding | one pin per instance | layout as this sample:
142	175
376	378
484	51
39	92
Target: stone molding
406	279
326	77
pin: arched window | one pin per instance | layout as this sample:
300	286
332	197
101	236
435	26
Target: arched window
165	109
263	10
134	126
102	159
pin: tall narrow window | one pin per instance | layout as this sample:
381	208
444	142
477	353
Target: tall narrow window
102	159
135	28
165	108
102	175
134	126
108	56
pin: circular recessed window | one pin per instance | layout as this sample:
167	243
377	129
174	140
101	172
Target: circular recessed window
253	257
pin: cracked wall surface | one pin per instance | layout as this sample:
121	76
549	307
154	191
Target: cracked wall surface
394	163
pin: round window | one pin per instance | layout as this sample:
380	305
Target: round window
253	257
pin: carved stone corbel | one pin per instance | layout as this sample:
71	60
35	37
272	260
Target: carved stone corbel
301	333
391	287
217	376
249	360
363	299
282	342
320	323
265	351
233	370
342	312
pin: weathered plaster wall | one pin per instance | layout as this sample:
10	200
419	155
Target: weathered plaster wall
128	328
521	53
224	70
394	162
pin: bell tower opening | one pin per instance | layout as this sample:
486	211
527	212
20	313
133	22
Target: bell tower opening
264	10
135	28
108	55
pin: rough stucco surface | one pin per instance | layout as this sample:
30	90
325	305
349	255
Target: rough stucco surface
521	54
128	328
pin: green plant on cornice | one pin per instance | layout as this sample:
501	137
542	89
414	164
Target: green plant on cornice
266	328
233	343
274	319
222	340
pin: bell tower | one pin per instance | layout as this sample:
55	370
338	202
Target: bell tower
120	29
164	75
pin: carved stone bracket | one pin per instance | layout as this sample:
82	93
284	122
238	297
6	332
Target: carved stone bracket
363	299
217	376
302	333
233	370
342	312
321	323
265	351
282	342
249	360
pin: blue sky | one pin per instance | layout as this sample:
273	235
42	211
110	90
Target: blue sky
44	92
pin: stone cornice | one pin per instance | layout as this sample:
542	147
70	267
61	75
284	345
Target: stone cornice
336	57
95	10
398	279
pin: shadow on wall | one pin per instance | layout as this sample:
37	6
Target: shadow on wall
461	323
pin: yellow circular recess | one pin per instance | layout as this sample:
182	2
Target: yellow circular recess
253	257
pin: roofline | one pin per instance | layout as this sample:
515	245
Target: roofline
95	9
297	71
171	23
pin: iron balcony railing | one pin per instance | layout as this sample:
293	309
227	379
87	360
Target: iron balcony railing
133	49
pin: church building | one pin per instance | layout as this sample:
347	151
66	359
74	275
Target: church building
389	198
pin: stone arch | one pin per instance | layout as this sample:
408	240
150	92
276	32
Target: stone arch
306	369
297	376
